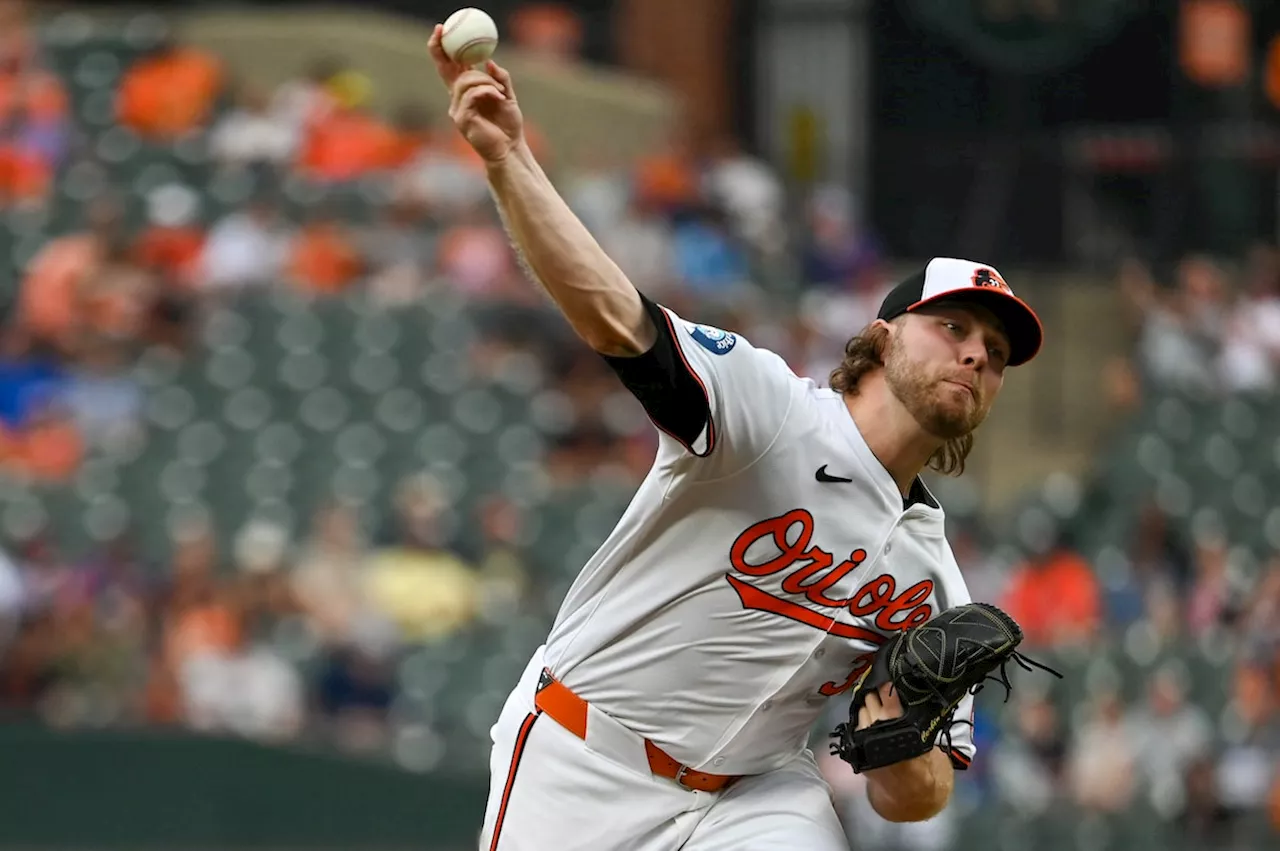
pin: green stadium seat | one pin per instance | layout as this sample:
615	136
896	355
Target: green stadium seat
247	409
97	70
118	146
1174	419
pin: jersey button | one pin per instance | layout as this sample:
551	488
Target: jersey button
819	653
718	761
888	546
766	706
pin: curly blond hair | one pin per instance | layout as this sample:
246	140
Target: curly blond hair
864	354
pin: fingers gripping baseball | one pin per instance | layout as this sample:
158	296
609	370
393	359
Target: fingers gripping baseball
482	104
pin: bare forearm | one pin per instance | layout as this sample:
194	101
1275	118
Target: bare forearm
595	296
913	790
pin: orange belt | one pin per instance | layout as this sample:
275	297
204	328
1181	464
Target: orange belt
570	711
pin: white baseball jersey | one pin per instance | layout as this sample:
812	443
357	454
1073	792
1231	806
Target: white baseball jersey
761	562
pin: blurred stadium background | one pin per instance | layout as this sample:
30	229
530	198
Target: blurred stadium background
295	468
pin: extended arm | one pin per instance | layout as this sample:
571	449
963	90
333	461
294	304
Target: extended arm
591	291
595	296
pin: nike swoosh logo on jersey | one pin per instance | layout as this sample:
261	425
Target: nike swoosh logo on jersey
823	476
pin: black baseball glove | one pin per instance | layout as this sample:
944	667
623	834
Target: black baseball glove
932	667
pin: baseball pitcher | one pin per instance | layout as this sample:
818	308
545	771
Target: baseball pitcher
782	550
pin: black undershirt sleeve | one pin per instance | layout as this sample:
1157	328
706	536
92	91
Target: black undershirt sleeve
664	384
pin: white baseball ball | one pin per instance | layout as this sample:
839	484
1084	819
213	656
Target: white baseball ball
470	36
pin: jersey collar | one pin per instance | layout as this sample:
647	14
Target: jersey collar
919	495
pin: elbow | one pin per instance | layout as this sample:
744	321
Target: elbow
922	808
614	346
621	339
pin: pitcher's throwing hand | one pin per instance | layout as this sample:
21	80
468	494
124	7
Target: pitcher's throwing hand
482	104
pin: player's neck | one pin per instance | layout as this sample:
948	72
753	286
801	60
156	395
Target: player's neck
892	434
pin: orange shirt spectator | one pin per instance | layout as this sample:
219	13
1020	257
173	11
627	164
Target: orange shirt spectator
51	449
35	106
170	92
173	252
322	259
667	181
1055	598
48	448
547	29
206	627
347	144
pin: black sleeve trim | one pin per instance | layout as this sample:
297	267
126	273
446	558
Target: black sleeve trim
959	761
666	385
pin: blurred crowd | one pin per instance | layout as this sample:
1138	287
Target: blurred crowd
109	638
280	639
1207	326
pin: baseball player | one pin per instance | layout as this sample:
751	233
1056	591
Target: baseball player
782	535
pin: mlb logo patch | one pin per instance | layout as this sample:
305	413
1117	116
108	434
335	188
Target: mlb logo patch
713	339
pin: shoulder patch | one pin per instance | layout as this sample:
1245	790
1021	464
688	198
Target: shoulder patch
713	339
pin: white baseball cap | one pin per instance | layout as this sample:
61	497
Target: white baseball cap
950	279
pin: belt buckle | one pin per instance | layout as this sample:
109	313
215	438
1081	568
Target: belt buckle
680	773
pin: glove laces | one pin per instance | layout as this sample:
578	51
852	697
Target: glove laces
1025	662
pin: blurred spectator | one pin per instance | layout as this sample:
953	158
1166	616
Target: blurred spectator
1157	562
51	298
1029	762
1260	624
327	578
1102	759
346	144
1055	596
34	134
667	180
839	251
1209	596
750	193
447	177
1251	333
1170	737
117	298
27	378
501	561
251	134
103	400
323	258
414	578
173	240
547	30
1204	819
355	693
247	247
598	191
476	256
19	47
303	100
170	91
708	260
414	134
643	246
49	448
1181	330
400	251
1248	769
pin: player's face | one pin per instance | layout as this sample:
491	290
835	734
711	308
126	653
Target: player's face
946	365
